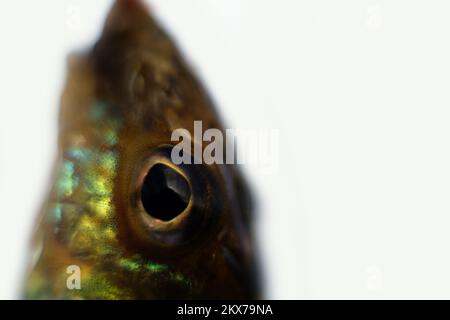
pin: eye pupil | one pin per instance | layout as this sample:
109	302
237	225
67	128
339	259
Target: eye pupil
165	192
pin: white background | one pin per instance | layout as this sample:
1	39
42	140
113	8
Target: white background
360	91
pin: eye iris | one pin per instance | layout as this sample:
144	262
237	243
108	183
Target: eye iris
165	192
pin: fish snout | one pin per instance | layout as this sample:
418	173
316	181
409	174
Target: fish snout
127	14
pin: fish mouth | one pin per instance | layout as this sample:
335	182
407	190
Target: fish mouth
130	5
126	14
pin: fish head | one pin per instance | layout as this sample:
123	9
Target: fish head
137	223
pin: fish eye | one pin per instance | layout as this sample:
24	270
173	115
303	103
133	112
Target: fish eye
165	192
173	205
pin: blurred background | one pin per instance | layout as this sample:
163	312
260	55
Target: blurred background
358	90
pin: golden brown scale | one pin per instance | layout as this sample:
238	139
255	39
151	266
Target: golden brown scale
121	104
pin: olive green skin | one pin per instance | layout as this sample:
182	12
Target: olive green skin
121	103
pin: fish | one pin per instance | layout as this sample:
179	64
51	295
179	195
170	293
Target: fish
121	220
